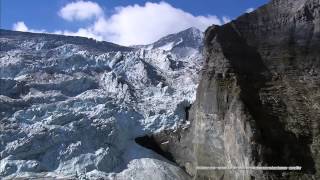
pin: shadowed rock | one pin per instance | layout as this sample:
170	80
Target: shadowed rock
258	99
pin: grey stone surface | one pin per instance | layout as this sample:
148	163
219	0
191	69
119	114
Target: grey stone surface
258	102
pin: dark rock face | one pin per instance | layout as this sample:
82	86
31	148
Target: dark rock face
258	102
150	143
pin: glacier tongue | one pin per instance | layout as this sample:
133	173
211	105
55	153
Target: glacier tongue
71	107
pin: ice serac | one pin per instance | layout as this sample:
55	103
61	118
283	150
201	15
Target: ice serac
258	102
72	107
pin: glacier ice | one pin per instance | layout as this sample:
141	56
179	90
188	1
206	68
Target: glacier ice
72	107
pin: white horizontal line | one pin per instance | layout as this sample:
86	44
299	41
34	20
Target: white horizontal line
270	168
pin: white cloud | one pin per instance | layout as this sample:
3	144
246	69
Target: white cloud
226	19
83	32
80	10
132	25
146	24
20	26
249	10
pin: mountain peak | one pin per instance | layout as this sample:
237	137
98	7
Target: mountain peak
193	30
191	37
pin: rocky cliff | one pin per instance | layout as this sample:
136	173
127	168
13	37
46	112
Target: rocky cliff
258	102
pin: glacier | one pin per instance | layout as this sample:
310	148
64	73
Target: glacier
71	107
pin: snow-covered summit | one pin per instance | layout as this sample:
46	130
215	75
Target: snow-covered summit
189	38
72	106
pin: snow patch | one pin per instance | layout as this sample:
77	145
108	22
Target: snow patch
167	47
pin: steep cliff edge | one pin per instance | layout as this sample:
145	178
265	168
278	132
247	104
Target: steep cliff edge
258	102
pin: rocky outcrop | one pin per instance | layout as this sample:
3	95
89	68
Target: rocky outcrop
258	102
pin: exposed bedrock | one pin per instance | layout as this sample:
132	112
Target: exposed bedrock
258	102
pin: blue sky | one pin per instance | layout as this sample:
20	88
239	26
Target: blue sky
100	19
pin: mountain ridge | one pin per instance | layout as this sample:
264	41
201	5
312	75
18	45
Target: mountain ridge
190	37
78	40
